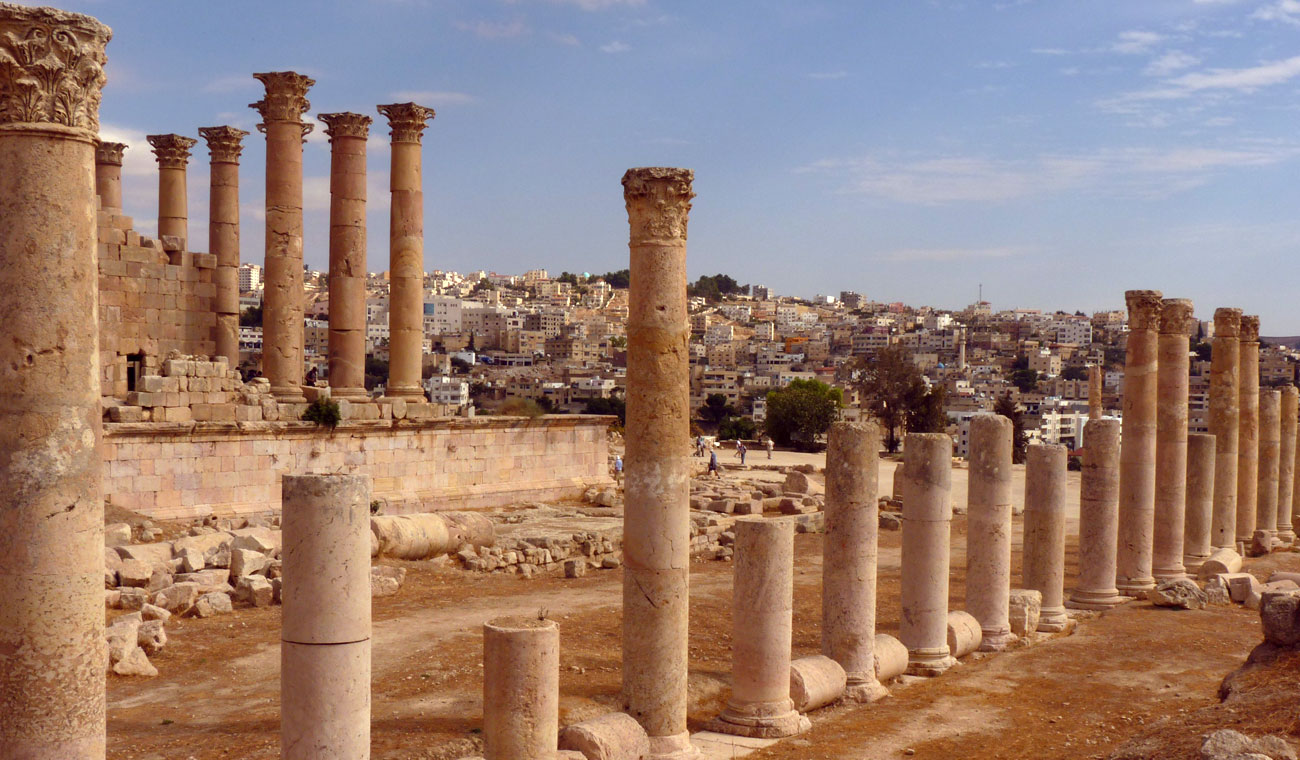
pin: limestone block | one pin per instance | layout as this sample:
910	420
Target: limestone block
1216	591
125	414
1221	561
612	736
1226	744
575	568
177	598
215	579
1282	575
151	554
122	636
134	573
112	563
213	603
816	681
117	534
135	663
159	578
1026	606
1179	593
964	633
891	657
259	539
800	483
725	506
254	590
152	638
1240	585
1256	596
1279	616
133	598
890	521
246	562
151	612
192	561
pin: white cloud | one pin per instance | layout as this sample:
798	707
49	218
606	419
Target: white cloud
994	65
138	160
615	47
1285	11
434	97
828	74
495	30
1049	51
1208	84
600	5
1173	60
565	39
1136	42
957	254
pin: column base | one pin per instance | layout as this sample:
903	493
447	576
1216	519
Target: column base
407	393
1135	587
288	394
1286	534
996	640
1192	563
764	720
1054	620
929	662
675	747
1176	573
865	691
1095	600
351	394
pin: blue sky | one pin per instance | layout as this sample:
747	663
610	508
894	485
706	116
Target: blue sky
1057	152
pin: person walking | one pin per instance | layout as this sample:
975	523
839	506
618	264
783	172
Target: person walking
741	451
618	469
713	464
769	445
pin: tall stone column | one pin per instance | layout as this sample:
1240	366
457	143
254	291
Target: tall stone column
1171	439
51	508
347	277
1095	392
173	154
108	175
1270	445
521	688
406	252
1197	544
224	147
1286	463
1248	430
1043	565
849	555
1225	390
282	314
927	522
656	522
1137	457
1098	517
988	545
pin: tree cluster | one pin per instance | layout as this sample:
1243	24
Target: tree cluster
897	395
713	288
800	412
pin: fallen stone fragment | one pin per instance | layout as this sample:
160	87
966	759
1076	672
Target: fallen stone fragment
1279	616
1026	607
246	562
816	681
214	603
575	568
151	637
1227	744
1240	585
177	598
1180	593
135	663
890	521
117	534
1216	591
613	736
255	590
134	573
122	637
152	612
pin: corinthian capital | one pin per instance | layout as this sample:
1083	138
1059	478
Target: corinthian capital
1249	328
658	203
51	67
1176	316
225	144
1227	322
345	124
172	151
286	98
1143	309
406	121
109	153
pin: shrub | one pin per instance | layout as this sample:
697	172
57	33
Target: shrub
323	411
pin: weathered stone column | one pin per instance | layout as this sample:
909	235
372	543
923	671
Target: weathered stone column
173	154
347	277
1225	389
762	609
325	633
108	175
1197	545
406	252
51	509
1286	463
1171	439
282	312
988	543
1248	430
224	147
521	688
1043	565
1095	392
927	520
1098	517
1270	444
1137	456
849	554
656	522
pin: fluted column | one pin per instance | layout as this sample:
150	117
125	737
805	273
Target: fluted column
282	314
406	252
1171	439
52	653
1098	507
656	523
224	147
1270	444
347	276
1286	463
1137	458
1248	430
173	154
1225	388
108	175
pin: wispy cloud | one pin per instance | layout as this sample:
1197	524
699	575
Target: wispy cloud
1136	42
828	74
957	254
615	47
994	65
1246	80
1172	61
495	30
1285	11
600	5
434	97
565	39
1049	51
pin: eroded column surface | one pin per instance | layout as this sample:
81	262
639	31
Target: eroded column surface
108	175
1286	462
1225	391
51	509
656	522
1248	430
1095	391
1270	444
1199	515
224	147
988	543
406	251
325	628
282	314
521	688
347	276
1171	439
849	555
927	519
173	154
762	608
1137	456
1043	565
1098	518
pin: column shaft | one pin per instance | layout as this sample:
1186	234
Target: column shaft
347	275
223	232
927	519
1043	565
1098	517
521	688
1270	444
173	154
1248	430
108	175
1137	457
1171	439
1095	392
988	546
1197	545
1225	388
1286	463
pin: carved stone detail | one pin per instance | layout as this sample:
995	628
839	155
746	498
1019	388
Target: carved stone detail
51	67
345	124
225	144
658	202
1249	328
1176	317
1143	309
1227	322
172	151
285	100
406	121
109	153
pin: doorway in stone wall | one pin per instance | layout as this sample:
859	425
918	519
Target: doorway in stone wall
134	370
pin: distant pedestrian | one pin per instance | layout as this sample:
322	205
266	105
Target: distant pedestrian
740	449
713	463
699	445
618	469
769	445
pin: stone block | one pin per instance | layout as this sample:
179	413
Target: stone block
254	590
245	562
613	736
177	598
152	638
1026	605
575	568
134	573
117	534
133	598
725	506
1180	593
1226	744
135	663
152	612
125	414
1240	585
1279	616
122	636
751	507
212	603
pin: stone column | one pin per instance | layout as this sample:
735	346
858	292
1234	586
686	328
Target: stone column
224	146
849	555
173	154
1095	391
1225	388
282	313
1043	565
51	509
1286	463
1248	430
762	608
1171	439
521	688
347	277
1199	517
108	175
1270	444
1098	518
406	252
1137	456
325	633
927	519
656	522
988	544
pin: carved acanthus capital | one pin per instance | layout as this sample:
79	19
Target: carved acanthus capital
658	203
406	121
1143	309
225	144
1176	316
345	124
172	151
1227	322
51	67
1249	328
285	100
109	153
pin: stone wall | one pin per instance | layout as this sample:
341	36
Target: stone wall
186	470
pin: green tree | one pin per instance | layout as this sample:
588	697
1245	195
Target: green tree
890	383
615	406
251	317
715	409
1202	349
620	279
1019	440
1074	373
482	285
736	428
925	410
568	277
618	341
801	411
376	372
1025	379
